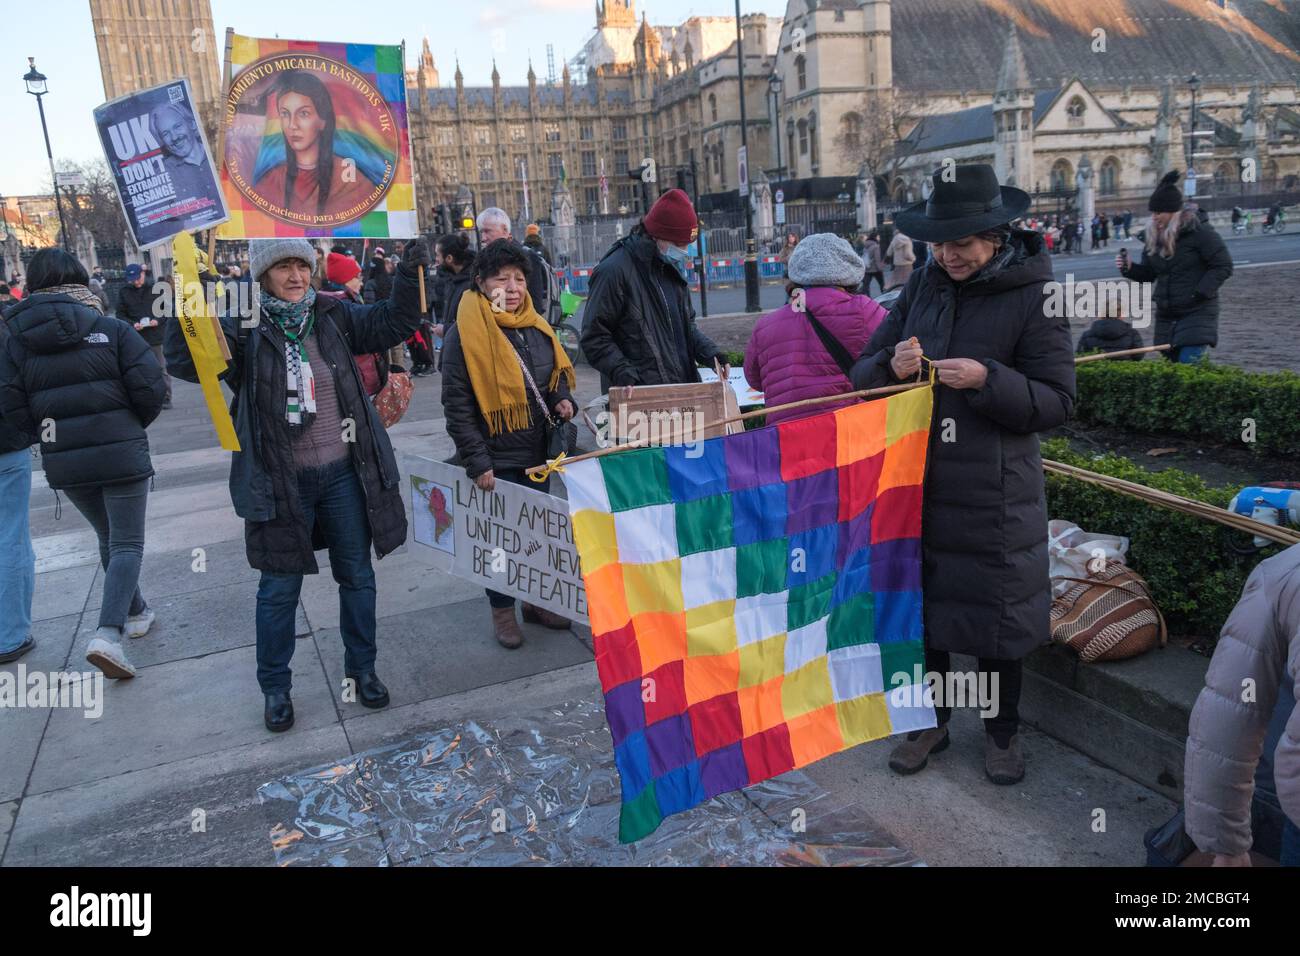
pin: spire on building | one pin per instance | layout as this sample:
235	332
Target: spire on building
460	77
1014	75
496	76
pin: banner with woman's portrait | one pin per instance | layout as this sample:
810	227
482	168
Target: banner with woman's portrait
316	141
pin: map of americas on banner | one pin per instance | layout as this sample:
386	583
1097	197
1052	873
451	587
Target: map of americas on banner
756	607
316	141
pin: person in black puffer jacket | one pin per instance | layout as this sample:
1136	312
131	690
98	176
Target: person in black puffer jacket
1005	372
89	386
639	324
492	413
1110	334
315	467
1188	261
135	304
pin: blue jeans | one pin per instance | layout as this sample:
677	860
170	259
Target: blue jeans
117	514
1266	782
333	496
1188	354
17	558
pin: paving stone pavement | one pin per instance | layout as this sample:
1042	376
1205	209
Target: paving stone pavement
169	773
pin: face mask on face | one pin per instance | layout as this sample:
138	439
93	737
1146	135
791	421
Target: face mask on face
678	258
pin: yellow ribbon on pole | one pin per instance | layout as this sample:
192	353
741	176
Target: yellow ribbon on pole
196	320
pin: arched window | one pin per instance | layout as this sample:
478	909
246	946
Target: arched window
1062	175
900	190
803	137
1074	111
851	125
1222	176
1108	178
812	136
801	71
713	107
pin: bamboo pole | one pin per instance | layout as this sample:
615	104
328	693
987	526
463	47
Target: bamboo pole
1120	354
745	416
220	160
1165	499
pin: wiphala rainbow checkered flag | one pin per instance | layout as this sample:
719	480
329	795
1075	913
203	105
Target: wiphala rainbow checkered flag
754	606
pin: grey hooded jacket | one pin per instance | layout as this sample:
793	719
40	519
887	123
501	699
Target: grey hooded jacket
1258	649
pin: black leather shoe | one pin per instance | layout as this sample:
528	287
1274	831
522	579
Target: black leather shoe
279	712
371	691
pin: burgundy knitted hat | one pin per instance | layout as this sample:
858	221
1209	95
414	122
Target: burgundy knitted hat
672	218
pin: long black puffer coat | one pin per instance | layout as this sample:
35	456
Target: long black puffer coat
1187	284
93	377
639	319
11	438
477	450
984	517
263	476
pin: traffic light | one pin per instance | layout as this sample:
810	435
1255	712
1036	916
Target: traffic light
467	222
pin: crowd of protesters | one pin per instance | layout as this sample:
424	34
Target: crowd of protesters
334	334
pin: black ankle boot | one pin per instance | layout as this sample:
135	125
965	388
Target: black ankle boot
371	691
279	712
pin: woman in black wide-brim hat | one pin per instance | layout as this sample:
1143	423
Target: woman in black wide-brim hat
1006	372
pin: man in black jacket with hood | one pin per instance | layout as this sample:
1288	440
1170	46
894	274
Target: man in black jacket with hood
135	305
639	326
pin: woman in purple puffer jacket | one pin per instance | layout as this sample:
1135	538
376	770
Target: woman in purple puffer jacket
788	358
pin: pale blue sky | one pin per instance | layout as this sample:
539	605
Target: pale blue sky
59	34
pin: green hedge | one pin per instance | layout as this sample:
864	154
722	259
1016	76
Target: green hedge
1201	401
1189	563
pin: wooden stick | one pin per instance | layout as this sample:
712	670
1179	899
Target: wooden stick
1120	354
221	142
865	393
1165	499
423	301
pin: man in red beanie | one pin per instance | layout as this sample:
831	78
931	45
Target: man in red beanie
639	326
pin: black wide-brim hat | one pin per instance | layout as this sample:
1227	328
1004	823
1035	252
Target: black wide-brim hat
971	202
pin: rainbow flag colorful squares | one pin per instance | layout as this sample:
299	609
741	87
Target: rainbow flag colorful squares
755	599
316	141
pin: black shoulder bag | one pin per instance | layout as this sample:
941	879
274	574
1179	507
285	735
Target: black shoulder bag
561	436
833	345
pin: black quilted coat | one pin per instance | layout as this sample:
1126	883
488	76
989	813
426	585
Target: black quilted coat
984	518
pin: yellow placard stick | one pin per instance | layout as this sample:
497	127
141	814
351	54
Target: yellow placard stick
200	328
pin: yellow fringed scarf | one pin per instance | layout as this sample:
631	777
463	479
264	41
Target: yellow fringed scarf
494	372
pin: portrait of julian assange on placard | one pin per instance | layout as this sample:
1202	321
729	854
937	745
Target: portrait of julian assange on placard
311	142
162	168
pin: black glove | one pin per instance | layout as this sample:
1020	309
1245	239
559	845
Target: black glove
416	255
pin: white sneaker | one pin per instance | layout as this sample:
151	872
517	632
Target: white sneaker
107	654
137	625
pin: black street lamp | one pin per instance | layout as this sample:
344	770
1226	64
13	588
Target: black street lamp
774	86
751	257
1194	84
36	86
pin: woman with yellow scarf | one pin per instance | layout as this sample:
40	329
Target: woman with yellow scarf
492	409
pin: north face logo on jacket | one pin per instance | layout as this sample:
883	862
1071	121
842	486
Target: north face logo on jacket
97	338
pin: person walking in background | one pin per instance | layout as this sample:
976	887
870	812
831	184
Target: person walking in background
97	286
89	386
503	374
639	322
900	257
379	281
533	240
806	348
873	261
1111	332
1259	648
455	262
296	482
494	224
1007	373
1188	261
135	305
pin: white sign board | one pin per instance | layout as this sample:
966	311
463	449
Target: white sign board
780	196
779	212
70	179
745	395
511	539
742	165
